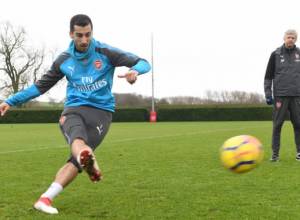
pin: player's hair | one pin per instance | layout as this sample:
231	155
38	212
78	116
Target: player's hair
291	32
80	20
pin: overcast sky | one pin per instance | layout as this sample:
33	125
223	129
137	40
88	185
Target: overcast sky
199	45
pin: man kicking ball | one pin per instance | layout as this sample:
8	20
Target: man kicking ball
89	66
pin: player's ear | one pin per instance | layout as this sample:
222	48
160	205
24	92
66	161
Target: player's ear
71	34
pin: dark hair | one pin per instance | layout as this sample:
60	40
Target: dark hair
80	20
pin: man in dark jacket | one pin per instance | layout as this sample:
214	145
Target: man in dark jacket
283	76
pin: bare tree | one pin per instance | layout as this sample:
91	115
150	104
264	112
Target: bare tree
19	64
219	97
130	100
234	97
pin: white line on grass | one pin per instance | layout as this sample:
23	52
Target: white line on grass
182	134
131	139
31	149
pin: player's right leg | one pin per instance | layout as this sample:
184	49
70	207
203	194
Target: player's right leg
74	128
86	159
97	125
85	128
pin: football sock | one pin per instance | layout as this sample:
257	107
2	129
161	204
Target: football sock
53	191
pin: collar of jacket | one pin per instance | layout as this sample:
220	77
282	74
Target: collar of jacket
82	56
289	50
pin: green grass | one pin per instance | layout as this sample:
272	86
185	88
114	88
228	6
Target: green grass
151	172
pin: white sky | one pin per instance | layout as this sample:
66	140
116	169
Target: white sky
198	45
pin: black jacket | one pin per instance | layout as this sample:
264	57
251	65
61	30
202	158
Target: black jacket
283	72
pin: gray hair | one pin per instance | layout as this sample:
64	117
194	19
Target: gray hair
291	32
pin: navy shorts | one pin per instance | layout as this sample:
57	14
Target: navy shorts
86	123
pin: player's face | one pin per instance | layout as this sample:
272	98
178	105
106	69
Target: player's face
290	40
82	37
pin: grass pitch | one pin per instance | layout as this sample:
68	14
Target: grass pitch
151	171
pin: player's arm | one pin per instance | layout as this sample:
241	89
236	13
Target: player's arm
119	57
141	67
269	76
38	88
19	98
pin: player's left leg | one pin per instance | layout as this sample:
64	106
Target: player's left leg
63	177
71	126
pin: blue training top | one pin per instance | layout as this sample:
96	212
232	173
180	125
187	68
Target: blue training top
89	74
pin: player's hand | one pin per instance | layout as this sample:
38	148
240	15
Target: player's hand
270	100
3	108
131	76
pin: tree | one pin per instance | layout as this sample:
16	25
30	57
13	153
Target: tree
19	64
132	100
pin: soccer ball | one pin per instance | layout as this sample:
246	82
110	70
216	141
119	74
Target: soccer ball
242	153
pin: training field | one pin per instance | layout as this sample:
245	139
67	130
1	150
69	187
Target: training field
151	171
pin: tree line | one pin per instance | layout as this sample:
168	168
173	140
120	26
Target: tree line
210	97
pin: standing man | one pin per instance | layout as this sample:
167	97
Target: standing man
283	72
89	66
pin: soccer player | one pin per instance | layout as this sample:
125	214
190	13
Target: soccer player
89	66
282	75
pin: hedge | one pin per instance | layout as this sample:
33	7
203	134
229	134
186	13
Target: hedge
215	114
140	114
53	115
31	116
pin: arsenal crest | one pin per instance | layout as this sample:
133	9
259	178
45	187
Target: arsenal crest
98	64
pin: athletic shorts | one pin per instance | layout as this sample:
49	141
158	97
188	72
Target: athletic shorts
86	123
